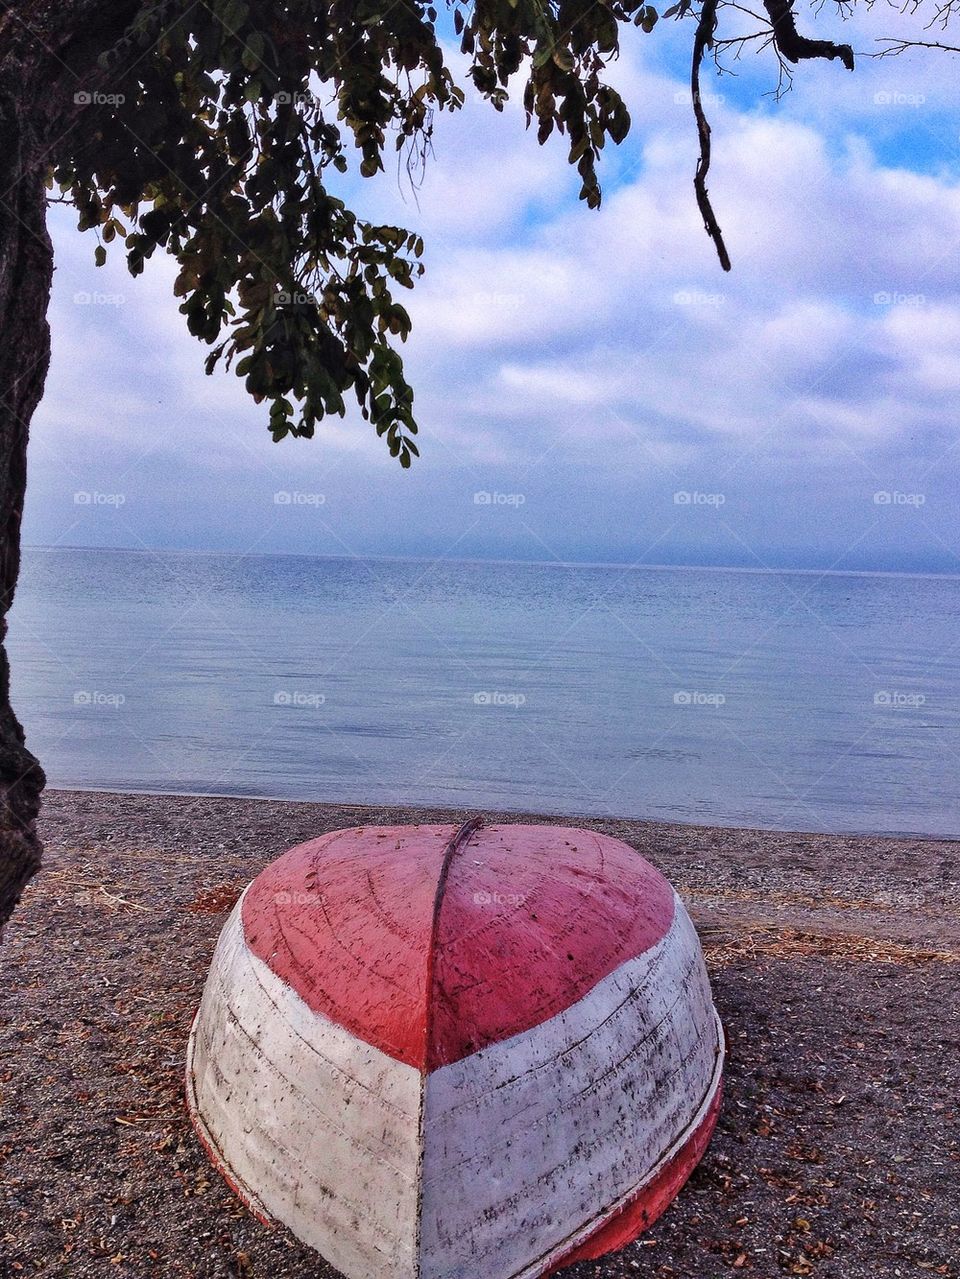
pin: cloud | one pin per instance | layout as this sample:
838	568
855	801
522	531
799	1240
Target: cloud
599	353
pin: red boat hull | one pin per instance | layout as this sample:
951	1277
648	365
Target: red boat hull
435	1053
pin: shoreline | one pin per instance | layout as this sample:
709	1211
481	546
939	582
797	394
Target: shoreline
834	963
510	814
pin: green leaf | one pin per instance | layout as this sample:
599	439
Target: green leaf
221	157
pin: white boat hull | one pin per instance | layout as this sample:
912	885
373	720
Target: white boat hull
499	1163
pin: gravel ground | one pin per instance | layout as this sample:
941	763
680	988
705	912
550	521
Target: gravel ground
835	969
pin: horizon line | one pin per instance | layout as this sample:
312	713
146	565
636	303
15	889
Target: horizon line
482	559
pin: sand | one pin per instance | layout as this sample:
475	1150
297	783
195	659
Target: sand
836	968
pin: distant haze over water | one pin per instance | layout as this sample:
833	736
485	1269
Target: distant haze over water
790	700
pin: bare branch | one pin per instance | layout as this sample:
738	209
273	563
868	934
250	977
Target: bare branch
901	46
706	26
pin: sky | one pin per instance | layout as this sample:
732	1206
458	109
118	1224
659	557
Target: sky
590	385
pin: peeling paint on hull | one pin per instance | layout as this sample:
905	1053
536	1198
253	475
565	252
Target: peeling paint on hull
457	1055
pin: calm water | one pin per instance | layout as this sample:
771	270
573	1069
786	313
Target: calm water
786	700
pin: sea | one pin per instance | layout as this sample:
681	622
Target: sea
784	700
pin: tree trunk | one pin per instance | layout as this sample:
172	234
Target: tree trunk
26	274
48	51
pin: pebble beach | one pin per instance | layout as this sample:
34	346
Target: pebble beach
834	961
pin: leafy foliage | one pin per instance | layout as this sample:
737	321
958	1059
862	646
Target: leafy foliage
217	133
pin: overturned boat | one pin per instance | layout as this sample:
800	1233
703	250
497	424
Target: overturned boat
474	1053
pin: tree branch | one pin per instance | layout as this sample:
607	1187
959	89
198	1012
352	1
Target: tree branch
901	46
794	46
706	26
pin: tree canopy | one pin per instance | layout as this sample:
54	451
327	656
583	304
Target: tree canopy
214	131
